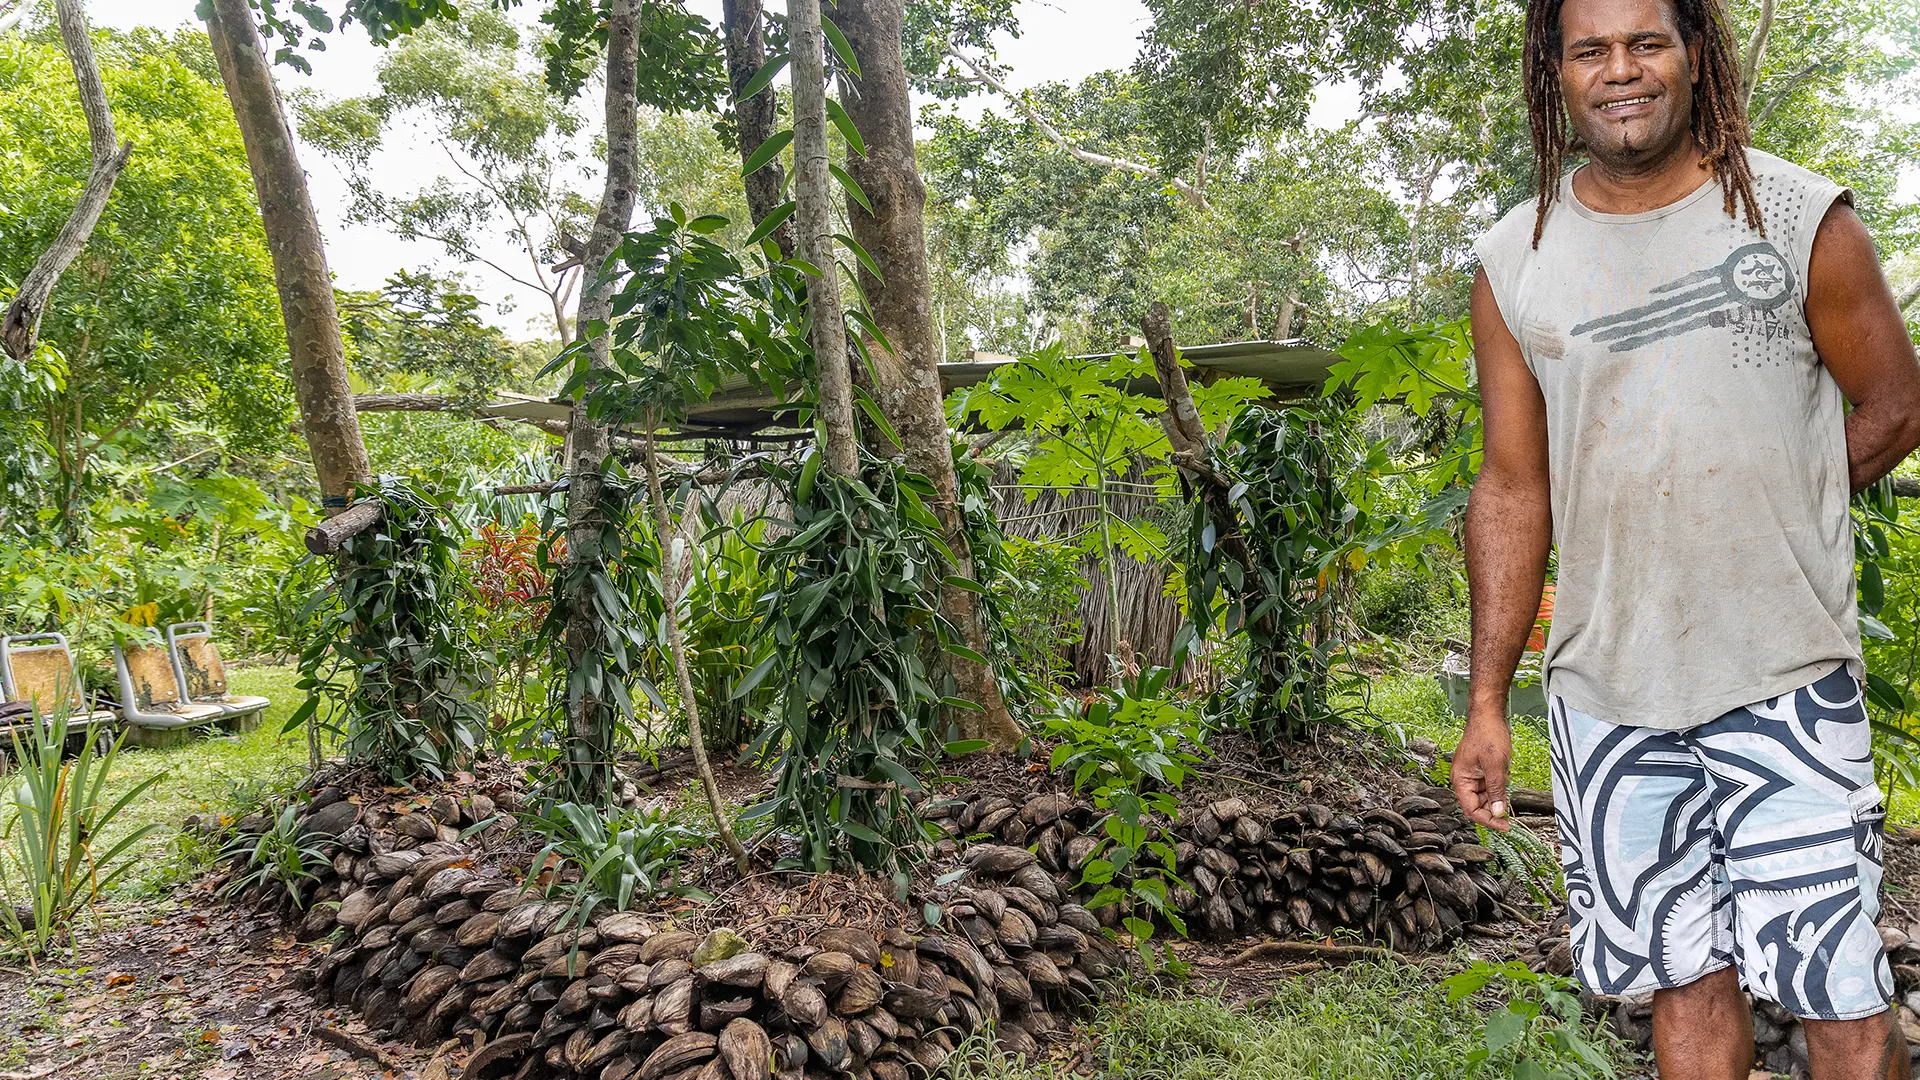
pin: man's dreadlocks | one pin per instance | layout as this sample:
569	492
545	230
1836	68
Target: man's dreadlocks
1719	113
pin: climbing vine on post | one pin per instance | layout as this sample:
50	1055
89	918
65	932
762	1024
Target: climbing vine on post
1270	520
1263	551
404	678
859	711
593	708
684	319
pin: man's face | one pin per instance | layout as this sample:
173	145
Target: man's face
1627	76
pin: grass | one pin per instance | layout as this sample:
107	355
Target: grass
1418	707
1367	1022
216	775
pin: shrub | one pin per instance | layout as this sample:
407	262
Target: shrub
1039	603
1129	747
723	638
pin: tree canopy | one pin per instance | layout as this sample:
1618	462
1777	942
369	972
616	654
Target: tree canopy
170	308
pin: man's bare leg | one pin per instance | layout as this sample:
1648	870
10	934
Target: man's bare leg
1704	1031
1856	1049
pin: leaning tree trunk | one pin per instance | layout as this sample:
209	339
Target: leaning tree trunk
907	383
589	752
757	117
812	188
21	326
299	255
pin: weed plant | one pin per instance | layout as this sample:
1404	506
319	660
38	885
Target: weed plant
282	857
621	856
1131	747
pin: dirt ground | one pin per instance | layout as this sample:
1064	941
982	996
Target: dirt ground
194	990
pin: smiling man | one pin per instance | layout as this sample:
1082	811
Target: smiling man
1667	342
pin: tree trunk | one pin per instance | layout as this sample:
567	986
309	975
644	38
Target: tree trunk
757	117
812	189
299	255
908	377
670	549
1756	52
589	755
21	325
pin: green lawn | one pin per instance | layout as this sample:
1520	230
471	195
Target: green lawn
1362	1023
208	774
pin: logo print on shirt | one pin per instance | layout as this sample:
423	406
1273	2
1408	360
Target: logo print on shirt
1743	291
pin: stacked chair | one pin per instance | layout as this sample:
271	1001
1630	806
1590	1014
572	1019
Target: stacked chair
37	669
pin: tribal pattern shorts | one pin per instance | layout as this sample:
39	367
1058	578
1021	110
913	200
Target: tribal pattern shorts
1750	841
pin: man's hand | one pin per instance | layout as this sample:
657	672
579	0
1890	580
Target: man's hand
1480	765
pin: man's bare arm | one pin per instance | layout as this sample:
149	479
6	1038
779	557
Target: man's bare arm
1861	337
1509	534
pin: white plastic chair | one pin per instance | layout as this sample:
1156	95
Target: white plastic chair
201	674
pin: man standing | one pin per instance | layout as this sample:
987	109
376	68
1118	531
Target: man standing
1667	341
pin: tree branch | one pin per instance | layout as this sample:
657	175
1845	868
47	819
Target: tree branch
1781	95
21	325
1756	52
983	76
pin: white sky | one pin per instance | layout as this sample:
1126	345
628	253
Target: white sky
1061	41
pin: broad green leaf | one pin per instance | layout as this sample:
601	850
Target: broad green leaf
838	114
775	218
853	189
841	47
763	77
1503	1028
768	151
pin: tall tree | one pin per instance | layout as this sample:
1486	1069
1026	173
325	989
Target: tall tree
510	142
907	374
21	324
813	190
128	338
589	751
299	254
755	116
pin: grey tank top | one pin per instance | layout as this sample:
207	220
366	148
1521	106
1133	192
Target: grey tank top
1697	449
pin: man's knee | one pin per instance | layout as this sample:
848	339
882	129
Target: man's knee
1715	990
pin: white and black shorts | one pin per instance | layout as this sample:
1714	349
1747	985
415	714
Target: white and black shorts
1750	841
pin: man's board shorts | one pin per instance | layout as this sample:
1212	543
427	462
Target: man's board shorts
1751	841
